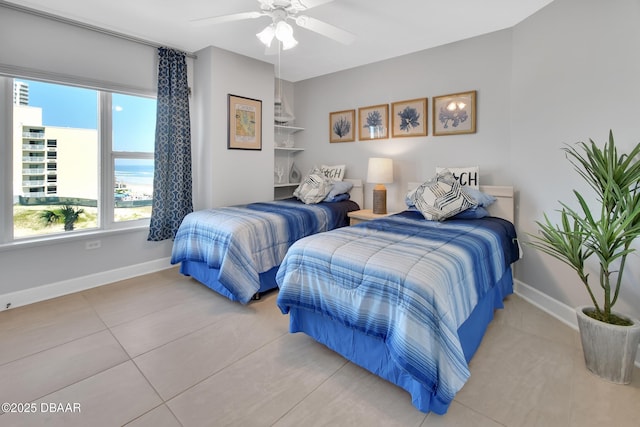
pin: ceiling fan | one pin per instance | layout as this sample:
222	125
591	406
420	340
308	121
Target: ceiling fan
281	11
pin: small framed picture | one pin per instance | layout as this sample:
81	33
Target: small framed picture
373	122
409	118
342	126
244	123
454	114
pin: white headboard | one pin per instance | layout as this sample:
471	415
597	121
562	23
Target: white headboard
357	193
504	205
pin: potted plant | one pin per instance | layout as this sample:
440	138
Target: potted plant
603	229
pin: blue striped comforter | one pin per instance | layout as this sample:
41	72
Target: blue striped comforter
408	281
244	241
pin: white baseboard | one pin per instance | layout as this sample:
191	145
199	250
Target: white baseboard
560	311
65	287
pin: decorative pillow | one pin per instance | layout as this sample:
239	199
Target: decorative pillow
482	199
469	176
313	188
339	188
441	197
335	173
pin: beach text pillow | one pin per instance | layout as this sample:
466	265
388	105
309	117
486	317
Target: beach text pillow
469	176
334	173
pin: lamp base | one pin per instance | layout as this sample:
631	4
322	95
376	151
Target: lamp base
379	199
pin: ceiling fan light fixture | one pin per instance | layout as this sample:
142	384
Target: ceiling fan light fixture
289	43
266	35
284	31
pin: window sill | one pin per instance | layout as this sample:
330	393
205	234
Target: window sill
75	236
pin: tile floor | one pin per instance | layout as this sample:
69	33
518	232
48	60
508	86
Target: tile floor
163	350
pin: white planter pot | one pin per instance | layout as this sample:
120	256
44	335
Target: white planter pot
609	350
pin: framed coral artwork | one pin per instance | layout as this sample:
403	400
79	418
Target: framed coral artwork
454	114
342	126
373	122
409	118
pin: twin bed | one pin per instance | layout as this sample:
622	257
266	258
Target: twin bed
406	298
236	250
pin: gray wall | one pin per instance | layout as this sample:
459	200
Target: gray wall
222	176
30	44
482	64
575	76
568	73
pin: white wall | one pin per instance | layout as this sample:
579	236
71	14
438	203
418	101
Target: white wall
575	76
221	176
482	64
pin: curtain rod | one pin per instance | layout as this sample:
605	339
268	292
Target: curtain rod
86	26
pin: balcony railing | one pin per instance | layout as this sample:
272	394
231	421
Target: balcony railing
35	135
33	183
33	171
33	159
33	147
35	194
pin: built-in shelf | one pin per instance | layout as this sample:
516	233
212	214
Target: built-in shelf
287	129
289	148
284	154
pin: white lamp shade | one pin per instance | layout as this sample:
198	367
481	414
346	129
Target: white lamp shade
380	170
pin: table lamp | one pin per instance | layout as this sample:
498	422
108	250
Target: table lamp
380	172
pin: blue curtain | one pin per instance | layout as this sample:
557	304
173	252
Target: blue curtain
172	191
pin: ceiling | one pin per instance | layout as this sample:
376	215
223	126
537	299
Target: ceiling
383	28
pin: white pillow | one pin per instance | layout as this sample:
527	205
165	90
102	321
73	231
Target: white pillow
314	187
441	197
469	176
334	173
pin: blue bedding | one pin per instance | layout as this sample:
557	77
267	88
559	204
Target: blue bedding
230	248
407	284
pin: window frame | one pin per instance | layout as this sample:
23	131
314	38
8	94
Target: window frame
105	163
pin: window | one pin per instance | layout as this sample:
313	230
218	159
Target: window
81	152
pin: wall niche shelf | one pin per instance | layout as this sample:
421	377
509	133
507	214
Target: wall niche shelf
285	151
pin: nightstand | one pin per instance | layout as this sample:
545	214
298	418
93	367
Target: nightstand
365	215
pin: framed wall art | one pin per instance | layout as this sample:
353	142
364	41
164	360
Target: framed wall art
409	118
454	114
244	123
373	122
342	126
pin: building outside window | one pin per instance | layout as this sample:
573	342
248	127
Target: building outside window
74	146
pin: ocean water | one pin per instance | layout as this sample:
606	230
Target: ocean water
134	174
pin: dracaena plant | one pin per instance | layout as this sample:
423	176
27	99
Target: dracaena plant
604	230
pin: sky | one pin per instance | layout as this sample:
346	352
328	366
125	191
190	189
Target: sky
134	117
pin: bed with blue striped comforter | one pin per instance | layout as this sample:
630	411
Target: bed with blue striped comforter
407	284
239	243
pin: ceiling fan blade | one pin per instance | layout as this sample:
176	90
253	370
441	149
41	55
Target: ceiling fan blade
300	5
227	18
325	29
